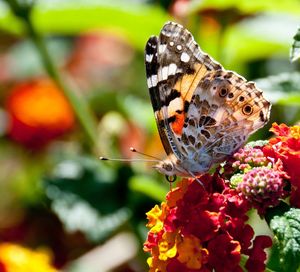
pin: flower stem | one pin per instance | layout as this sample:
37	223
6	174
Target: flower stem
79	105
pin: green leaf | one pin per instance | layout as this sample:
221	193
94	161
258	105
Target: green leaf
281	89
257	143
246	6
286	229
85	195
139	111
134	20
149	187
295	51
256	38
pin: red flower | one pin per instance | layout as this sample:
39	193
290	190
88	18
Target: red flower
286	147
199	229
257	256
2	267
226	253
38	113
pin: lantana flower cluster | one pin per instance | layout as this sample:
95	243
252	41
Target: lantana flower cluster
260	179
204	228
286	148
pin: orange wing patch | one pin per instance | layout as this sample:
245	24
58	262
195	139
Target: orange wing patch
189	82
177	125
186	86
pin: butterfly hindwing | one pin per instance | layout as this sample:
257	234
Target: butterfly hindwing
224	110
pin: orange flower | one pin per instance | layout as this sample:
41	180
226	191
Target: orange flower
14	258
191	253
38	113
177	193
286	147
156	265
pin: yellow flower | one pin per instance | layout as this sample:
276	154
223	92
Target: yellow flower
156	217
167	247
191	253
19	259
295	132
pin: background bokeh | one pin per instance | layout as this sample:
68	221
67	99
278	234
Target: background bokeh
73	88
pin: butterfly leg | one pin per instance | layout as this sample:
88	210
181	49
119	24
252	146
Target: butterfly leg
197	179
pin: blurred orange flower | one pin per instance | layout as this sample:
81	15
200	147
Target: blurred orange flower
14	258
38	113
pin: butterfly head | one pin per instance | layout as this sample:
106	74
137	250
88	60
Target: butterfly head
170	167
166	167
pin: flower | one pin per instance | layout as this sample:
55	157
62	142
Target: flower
191	253
200	228
259	178
249	157
257	256
226	253
286	147
14	258
156	217
38	113
263	187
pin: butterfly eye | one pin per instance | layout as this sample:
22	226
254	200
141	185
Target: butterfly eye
223	92
247	109
168	167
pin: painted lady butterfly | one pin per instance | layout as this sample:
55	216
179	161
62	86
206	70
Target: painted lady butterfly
203	112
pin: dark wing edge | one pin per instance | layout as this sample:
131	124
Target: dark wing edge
152	66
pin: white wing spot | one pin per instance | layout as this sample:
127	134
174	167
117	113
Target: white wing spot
184	57
179	47
176	103
152	81
164	72
172	69
162	48
171	43
149	58
149	83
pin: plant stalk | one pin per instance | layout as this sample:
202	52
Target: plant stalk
80	107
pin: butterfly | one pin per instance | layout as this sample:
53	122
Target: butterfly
203	112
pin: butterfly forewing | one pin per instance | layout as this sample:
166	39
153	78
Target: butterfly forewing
174	66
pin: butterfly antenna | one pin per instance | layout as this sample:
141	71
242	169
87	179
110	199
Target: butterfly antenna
132	149
127	160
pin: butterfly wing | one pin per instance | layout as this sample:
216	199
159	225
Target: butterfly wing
224	110
174	67
203	112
